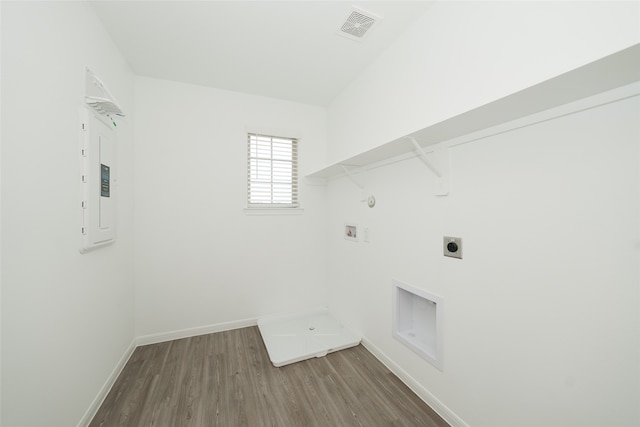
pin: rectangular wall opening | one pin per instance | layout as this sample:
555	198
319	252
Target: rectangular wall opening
418	321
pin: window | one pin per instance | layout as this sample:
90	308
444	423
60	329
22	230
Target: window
272	172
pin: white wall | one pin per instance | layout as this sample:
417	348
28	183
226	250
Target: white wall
67	318
546	332
541	315
200	260
464	54
0	218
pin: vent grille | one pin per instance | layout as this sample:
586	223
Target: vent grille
358	24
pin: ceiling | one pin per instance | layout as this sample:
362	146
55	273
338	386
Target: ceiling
280	49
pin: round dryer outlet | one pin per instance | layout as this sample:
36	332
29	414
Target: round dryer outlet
452	247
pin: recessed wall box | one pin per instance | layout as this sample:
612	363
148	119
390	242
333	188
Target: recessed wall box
417	321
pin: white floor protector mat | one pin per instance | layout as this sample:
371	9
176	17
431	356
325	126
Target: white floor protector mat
293	338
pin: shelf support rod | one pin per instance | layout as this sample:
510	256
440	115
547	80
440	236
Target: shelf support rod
424	157
351	177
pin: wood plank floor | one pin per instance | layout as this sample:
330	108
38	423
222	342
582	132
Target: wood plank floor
226	379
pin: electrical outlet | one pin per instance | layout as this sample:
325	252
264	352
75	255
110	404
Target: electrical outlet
452	247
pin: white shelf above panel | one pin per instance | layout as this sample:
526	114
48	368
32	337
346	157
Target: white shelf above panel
98	98
103	105
619	69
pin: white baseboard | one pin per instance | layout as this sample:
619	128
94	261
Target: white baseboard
106	388
447	414
192	332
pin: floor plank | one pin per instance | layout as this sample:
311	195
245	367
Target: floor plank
226	379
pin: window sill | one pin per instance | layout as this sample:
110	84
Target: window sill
273	211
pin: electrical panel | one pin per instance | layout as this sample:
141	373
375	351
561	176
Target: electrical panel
98	160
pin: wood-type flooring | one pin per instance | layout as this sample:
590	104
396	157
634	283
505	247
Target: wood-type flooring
226	379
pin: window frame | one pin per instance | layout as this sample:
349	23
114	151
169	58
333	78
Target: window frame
271	164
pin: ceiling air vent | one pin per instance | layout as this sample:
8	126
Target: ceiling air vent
358	24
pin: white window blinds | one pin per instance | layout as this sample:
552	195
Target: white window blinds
272	172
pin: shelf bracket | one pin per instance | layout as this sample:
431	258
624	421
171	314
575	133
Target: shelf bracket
440	169
351	177
423	156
